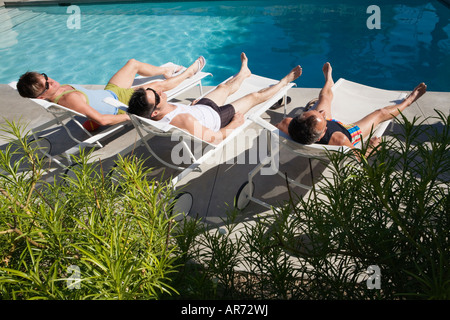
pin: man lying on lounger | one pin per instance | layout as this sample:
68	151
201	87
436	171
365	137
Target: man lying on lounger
316	126
208	118
90	102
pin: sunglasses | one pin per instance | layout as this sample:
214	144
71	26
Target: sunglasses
46	85
157	97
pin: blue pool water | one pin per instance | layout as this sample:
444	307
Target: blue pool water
412	45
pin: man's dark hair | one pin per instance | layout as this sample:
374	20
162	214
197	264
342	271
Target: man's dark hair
139	104
302	129
29	85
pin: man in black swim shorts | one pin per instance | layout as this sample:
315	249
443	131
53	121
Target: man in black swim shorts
208	119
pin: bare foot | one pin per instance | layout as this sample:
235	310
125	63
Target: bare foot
327	72
196	66
245	71
294	74
170	71
416	93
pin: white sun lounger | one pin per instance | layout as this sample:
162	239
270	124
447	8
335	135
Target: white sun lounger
148	129
351	102
63	115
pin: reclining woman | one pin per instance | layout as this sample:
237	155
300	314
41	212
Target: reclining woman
90	102
208	118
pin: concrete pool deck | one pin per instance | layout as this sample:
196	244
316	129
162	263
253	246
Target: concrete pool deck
215	188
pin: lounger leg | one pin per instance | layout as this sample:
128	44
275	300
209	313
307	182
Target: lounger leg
144	140
285	105
96	143
244	195
46	153
182	205
247	189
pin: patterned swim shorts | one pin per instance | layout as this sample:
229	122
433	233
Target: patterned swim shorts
354	130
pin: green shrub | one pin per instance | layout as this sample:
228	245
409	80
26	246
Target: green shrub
390	211
117	239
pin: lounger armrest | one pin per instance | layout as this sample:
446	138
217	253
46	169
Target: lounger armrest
13	85
115	103
150	124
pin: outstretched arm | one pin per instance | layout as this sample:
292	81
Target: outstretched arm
77	103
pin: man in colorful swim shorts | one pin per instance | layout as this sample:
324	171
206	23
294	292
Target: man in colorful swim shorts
316	126
208	118
90	102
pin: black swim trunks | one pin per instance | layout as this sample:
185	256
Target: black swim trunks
225	112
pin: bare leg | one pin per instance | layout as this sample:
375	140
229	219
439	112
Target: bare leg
224	90
125	76
247	102
171	70
172	82
326	95
375	118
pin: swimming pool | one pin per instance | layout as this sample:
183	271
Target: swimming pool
412	45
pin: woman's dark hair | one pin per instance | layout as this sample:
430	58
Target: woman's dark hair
29	85
139	104
302	129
